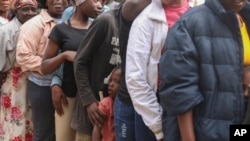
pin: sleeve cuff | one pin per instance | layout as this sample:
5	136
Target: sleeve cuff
157	130
158	134
56	81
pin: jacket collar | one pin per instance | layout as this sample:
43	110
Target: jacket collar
218	8
16	22
245	13
45	16
157	12
229	17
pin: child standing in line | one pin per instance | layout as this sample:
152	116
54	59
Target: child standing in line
106	131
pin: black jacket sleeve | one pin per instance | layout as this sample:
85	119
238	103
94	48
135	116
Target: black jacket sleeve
91	42
179	72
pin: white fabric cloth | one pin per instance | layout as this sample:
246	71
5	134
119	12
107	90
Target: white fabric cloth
146	40
3	21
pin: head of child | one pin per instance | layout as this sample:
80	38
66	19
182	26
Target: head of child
246	81
114	82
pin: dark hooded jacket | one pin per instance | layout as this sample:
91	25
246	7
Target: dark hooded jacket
201	69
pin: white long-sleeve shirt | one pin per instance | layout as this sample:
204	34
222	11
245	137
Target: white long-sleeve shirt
146	40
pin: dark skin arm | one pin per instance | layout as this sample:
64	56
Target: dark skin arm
185	122
52	60
58	98
132	8
96	135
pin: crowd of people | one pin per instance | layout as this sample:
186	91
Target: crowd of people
131	70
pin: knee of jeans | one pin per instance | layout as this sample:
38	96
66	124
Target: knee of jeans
124	132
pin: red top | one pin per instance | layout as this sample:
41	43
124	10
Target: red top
173	12
106	106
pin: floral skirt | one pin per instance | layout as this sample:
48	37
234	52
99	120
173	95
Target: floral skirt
15	116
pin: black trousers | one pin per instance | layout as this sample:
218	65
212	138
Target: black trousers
42	112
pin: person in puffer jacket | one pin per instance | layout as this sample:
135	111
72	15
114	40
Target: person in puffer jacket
201	71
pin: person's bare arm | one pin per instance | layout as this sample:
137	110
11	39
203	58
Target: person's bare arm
52	60
58	98
96	135
132	8
185	122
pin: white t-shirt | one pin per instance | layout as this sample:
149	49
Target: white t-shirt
3	21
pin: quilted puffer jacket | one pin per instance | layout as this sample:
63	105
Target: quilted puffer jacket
201	69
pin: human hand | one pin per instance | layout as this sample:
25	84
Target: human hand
95	115
58	99
70	55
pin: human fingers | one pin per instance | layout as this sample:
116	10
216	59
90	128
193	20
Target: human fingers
91	119
59	108
98	117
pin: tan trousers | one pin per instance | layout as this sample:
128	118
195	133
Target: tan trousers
64	132
82	137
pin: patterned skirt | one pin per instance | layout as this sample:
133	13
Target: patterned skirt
15	110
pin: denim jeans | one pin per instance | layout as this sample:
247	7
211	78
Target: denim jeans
129	125
42	112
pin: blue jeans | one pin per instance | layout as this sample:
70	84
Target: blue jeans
42	112
129	126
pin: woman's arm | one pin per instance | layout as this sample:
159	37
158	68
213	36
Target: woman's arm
27	50
142	93
51	60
